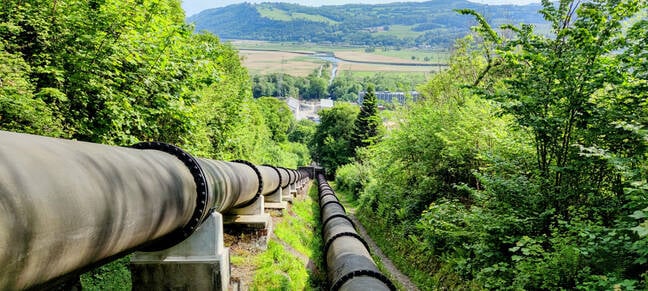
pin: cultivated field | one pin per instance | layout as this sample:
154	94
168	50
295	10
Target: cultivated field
266	57
266	62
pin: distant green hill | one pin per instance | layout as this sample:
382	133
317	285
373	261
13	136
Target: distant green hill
410	24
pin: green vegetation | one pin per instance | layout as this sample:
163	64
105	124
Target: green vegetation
404	31
367	128
524	166
345	87
268	11
432	56
313	86
331	144
112	276
406	24
280	269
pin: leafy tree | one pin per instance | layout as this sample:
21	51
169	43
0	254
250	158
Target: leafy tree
367	126
303	131
539	185
563	88
331	144
317	88
277	116
20	110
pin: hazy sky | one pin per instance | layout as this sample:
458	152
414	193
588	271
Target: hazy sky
195	6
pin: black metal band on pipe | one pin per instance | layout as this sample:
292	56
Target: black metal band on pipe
332	239
326	193
333	202
202	198
291	176
337	216
344	284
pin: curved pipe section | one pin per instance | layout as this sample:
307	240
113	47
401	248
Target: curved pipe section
285	178
349	263
271	179
66	205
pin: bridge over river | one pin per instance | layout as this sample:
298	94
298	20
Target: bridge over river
68	206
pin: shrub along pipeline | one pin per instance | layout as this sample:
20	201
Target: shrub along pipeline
349	263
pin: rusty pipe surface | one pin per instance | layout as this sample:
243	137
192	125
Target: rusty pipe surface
66	205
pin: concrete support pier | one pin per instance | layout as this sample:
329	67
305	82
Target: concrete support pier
293	190
251	216
201	262
275	201
287	195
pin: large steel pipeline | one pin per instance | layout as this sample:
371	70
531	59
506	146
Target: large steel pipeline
66	205
348	261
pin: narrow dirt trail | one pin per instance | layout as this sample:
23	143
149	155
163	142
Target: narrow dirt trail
387	263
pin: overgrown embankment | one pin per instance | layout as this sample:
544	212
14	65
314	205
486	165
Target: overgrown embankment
524	165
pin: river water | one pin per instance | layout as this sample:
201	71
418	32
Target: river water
329	57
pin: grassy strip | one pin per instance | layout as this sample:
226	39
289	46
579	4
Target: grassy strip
112	276
278	268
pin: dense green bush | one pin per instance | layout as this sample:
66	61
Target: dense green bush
524	167
331	143
351	178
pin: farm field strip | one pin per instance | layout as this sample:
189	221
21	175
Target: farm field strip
295	61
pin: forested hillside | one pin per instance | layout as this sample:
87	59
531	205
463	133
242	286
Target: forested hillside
119	72
524	167
407	24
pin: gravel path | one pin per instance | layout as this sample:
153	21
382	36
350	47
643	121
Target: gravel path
395	274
